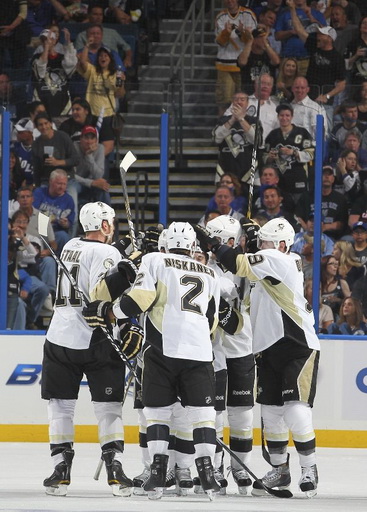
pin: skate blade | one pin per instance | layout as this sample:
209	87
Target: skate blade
156	494
198	489
61	490
118	490
261	492
311	493
139	491
181	491
211	494
244	490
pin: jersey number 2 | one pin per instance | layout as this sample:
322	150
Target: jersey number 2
187	303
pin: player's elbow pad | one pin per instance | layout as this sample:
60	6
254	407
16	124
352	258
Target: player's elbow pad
230	320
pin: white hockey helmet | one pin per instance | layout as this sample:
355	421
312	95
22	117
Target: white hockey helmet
162	240
276	231
181	235
92	214
225	227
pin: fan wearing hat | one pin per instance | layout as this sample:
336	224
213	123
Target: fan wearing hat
359	233
326	69
289	148
305	237
22	147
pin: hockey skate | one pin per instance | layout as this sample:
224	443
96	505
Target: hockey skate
279	477
309	480
57	483
242	479
170	482
206	474
183	480
139	482
157	478
120	484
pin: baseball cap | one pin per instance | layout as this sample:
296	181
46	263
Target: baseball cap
24	125
359	225
89	129
328	169
46	33
311	216
328	31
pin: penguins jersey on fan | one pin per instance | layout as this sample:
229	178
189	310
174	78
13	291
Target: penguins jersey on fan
87	261
277	306
239	344
181	297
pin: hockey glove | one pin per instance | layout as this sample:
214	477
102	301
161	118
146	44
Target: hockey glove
207	242
250	229
96	314
150	240
132	336
124	246
128	269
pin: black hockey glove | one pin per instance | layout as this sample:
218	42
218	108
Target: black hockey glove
96	314
207	242
250	229
132	336
150	240
128	269
124	245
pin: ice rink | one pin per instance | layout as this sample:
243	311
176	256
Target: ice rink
23	466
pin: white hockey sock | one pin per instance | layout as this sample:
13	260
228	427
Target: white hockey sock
109	417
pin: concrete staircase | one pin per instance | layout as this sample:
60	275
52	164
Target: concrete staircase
192	184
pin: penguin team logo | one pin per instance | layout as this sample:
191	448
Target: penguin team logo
108	391
208	399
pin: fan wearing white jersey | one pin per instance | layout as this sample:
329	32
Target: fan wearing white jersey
72	349
181	298
286	345
238	360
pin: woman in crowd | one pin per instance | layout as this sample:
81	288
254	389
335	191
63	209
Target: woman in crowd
349	268
326	316
17	177
350	319
52	66
347	175
333	288
287	74
239	202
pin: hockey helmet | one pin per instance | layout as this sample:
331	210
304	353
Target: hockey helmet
276	231
181	235
162	240
92	214
225	227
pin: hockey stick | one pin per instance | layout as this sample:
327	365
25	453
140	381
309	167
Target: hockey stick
254	154
43	222
281	493
125	165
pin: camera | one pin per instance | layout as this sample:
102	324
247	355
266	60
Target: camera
258	32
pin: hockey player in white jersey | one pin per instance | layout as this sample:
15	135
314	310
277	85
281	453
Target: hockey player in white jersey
181	298
286	345
73	348
238	360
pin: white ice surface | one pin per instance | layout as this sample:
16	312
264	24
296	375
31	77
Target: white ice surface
23	466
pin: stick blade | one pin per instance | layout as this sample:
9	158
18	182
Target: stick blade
279	493
127	161
43	221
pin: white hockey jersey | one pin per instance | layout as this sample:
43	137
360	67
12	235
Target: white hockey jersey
278	307
87	261
181	297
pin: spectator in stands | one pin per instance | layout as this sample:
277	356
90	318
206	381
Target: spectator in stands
286	32
334	207
124	11
51	150
347	175
91	185
210	215
111	38
223	197
358	211
42	13
288	72
326	72
269	175
230	24
352	11
303	237
94	41
103	86
333	288
352	142
290	148
359	233
345	30
272	205
256	57
234	135
19	286
51	72
268	17
47	264
357	55
350	319
326	316
349	268
11	98
360	293
14	32
28	259
22	147
17	177
230	180
349	114
35	108
306	110
58	205
262	90
361	97
77	10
